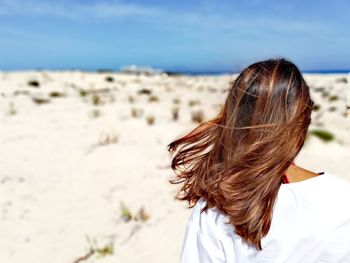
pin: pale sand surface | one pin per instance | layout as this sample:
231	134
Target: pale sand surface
64	170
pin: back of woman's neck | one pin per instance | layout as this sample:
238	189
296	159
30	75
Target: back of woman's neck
296	174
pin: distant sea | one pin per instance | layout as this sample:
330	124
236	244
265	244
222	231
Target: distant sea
332	71
177	72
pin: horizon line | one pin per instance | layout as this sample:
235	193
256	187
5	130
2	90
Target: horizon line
181	71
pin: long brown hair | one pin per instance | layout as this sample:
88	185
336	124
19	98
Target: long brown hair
236	160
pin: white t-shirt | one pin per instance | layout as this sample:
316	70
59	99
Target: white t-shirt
310	223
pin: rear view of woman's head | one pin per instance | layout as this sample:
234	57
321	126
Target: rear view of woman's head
268	102
236	160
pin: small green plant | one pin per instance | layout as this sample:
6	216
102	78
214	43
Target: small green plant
83	93
96	100
127	216
125	212
94	249
106	250
333	98
323	135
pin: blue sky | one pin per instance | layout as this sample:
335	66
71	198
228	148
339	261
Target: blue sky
180	35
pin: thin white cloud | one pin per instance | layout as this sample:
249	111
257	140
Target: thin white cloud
186	21
75	10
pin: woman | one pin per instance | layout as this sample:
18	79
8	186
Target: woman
250	202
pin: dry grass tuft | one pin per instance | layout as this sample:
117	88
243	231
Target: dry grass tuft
145	92
153	98
106	138
33	83
57	94
95	113
83	93
131	99
12	109
136	112
96	100
40	100
142	215
176	101
197	116
150	120
175	113
192	103
109	79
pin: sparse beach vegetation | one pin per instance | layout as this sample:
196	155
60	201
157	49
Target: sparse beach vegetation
176	101
192	103
136	112
197	116
109	79
96	99
144	92
150	120
175	113
125	212
33	83
83	92
95	113
324	135
40	100
12	109
108	138
333	98
153	98
57	94
316	107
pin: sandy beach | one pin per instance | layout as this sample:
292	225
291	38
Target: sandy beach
84	166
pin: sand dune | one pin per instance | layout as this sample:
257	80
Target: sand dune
84	169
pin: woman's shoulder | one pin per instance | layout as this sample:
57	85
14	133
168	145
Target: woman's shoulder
323	199
321	202
327	186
